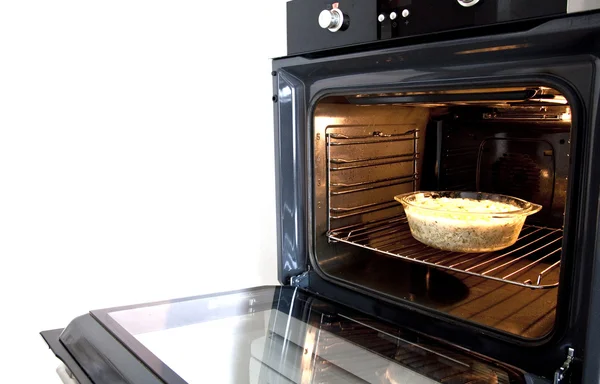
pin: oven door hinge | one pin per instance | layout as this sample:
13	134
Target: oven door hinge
561	373
300	280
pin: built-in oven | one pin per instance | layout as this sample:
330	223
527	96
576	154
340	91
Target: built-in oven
379	99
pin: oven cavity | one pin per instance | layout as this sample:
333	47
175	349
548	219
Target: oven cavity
371	147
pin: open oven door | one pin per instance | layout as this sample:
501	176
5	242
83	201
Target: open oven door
261	335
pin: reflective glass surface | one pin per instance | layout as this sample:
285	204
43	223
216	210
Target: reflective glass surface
284	335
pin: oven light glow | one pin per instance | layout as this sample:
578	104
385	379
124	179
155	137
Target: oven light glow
545	174
566	116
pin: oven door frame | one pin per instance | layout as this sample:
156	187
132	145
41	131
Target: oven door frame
447	85
555	53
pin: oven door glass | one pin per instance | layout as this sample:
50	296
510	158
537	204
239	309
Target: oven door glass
279	335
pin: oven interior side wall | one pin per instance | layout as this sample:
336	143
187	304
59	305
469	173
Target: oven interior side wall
371	153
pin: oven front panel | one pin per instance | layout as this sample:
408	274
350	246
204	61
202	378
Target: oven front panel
366	21
555	54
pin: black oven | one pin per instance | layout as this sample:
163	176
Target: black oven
379	98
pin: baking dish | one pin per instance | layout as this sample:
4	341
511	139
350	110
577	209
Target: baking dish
461	221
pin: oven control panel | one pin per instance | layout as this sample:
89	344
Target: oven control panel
315	25
403	18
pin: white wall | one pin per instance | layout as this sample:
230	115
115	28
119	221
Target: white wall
136	159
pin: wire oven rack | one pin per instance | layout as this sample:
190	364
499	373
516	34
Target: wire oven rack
531	262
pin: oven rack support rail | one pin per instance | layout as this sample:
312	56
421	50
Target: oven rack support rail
532	262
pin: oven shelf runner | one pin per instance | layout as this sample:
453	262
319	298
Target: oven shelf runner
532	262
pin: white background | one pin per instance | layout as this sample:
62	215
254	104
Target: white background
136	159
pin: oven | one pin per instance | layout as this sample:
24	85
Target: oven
382	98
511	113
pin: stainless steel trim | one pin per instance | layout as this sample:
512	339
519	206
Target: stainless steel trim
326	19
331	19
582	5
467	3
339	20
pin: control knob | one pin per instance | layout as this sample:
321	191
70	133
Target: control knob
331	19
467	3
